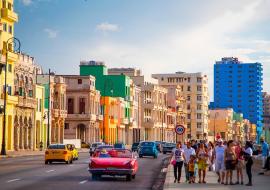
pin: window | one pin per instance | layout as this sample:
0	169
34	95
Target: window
188	98
66	125
9	68
199	98
199	125
199	116
4	4
188	79
188	106
70	106
199	79
10	29
79	81
9	90
81	105
188	116
188	125
5	27
199	107
40	105
9	6
188	88
199	88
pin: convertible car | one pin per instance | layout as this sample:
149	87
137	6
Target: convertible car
115	162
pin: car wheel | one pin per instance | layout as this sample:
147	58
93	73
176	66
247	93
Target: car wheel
134	176
140	156
95	176
129	177
155	156
67	162
164	152
46	161
71	161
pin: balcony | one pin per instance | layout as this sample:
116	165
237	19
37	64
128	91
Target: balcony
124	121
13	57
27	102
78	116
55	112
9	15
63	113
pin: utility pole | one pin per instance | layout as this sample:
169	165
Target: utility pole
49	102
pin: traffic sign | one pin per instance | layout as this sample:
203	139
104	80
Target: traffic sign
180	129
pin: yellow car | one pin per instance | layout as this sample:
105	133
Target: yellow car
58	153
74	151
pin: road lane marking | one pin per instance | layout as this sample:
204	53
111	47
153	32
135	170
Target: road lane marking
48	171
82	182
12	180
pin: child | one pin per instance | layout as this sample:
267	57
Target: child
191	168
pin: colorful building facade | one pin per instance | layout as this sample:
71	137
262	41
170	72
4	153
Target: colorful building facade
238	85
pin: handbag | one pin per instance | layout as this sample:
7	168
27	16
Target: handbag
173	162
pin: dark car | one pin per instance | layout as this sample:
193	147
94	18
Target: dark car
148	148
94	146
168	147
135	146
119	146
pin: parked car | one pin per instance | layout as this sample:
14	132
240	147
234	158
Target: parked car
168	147
74	150
58	153
94	146
134	147
118	162
119	146
148	148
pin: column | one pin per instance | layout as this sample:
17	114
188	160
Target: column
26	137
21	139
30	137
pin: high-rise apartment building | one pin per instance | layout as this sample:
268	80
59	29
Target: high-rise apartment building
194	87
238	85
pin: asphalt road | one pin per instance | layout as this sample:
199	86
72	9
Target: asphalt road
30	173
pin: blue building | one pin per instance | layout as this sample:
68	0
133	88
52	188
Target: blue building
238	85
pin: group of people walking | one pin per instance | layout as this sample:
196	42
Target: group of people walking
222	157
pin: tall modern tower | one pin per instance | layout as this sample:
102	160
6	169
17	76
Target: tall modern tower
238	85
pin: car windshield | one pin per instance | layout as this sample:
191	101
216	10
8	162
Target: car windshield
107	147
169	144
147	144
56	146
135	144
118	146
95	145
104	155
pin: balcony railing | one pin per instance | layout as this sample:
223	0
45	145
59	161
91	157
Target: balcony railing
9	15
27	102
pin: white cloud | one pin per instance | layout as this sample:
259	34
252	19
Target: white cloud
51	33
26	2
193	50
107	27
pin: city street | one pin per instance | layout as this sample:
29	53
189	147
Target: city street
31	173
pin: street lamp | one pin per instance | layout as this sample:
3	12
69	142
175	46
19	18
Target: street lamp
107	83
216	114
15	44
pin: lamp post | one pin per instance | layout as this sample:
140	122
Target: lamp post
107	83
216	114
16	46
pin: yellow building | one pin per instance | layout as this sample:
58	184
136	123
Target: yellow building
7	19
40	118
108	127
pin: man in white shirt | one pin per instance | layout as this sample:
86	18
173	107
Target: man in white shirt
188	151
218	157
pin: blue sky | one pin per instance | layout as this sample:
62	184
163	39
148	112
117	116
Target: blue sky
154	35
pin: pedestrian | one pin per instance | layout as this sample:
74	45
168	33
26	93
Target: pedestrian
191	168
210	150
230	161
240	162
218	159
179	157
249	161
194	144
265	153
202	156
188	152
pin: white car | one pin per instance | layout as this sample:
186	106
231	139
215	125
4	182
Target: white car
94	146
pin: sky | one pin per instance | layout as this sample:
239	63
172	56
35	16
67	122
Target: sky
155	36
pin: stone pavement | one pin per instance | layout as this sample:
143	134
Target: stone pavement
260	182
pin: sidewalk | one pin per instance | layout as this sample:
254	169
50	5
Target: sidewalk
14	154
259	182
